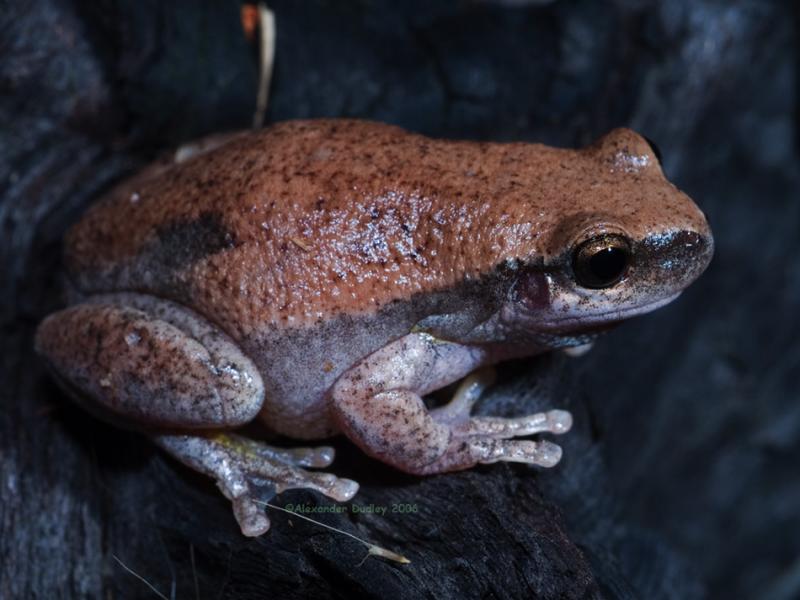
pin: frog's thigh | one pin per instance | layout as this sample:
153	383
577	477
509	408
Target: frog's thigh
142	361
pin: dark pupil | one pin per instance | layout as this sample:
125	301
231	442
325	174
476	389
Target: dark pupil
607	264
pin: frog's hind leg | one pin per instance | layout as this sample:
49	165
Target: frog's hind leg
248	472
147	363
152	365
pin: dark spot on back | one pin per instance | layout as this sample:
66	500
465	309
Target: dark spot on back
181	243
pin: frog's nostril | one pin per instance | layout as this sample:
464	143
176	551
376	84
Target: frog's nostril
685	254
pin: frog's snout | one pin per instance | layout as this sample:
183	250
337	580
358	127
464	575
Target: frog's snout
680	256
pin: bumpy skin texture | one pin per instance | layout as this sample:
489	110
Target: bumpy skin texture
350	268
309	220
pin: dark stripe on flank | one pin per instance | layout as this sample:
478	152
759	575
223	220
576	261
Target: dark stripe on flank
181	243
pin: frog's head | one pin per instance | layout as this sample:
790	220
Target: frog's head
625	241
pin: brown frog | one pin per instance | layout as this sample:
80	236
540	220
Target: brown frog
323	276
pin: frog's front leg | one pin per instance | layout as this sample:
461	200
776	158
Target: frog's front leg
378	404
155	366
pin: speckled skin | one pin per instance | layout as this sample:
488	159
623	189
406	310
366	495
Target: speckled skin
327	274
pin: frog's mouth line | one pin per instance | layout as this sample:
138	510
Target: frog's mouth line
604	320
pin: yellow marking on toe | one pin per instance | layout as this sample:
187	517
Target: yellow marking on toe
428	336
241	447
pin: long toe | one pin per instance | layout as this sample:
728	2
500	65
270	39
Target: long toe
554	421
542	453
251	518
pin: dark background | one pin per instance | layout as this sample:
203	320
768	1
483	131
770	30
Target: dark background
681	477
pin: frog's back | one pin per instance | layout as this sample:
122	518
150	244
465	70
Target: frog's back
309	220
290	225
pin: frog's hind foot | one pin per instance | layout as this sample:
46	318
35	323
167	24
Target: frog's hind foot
243	469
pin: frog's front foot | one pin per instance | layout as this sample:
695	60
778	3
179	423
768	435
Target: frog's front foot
488	439
243	469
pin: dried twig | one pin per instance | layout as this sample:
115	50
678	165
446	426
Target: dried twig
139	577
374	550
266	53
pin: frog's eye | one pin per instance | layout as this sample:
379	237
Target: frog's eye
601	261
655	148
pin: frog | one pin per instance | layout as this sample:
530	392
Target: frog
324	277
